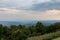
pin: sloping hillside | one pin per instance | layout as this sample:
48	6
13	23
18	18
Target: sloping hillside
49	36
57	38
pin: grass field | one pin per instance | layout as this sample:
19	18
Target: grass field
57	38
49	36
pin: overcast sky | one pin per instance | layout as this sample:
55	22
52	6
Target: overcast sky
16	10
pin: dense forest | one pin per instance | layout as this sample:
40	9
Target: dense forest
22	32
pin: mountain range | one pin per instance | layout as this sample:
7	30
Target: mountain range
45	22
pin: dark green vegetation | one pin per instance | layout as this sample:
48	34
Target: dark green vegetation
21	32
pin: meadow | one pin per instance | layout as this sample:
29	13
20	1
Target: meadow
49	36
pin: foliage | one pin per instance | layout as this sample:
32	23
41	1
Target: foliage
21	32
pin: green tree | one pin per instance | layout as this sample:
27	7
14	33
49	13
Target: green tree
1	31
40	28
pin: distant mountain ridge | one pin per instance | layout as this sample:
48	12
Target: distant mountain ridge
47	22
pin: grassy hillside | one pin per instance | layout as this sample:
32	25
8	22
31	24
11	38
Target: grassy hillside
57	38
49	36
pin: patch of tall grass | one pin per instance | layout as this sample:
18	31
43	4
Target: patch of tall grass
49	36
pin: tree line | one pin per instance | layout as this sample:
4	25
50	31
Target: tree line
21	32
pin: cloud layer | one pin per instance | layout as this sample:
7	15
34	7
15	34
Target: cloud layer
31	4
22	2
17	15
16	10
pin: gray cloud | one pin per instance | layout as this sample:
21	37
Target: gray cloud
37	5
46	6
20	4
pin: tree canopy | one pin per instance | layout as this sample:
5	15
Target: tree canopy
21	32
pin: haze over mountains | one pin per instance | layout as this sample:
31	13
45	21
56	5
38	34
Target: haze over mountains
27	23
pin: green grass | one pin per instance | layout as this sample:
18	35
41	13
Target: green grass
49	36
57	38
